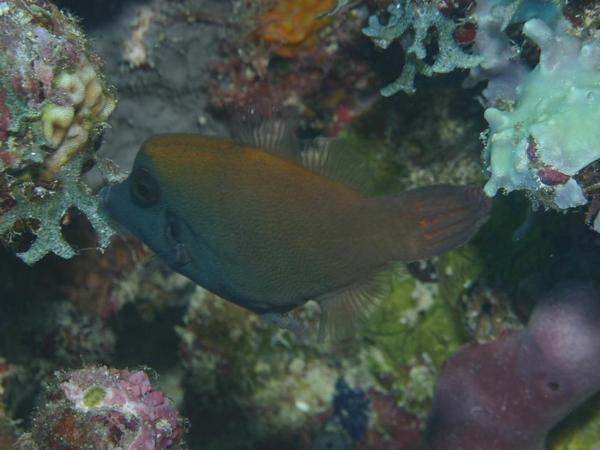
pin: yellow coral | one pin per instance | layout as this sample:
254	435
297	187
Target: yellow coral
72	84
75	139
67	128
292	25
56	121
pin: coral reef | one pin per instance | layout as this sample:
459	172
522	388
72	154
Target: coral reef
292	56
418	327
247	381
54	105
184	66
104	409
544	148
522	384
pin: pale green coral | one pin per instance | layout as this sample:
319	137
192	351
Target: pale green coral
550	135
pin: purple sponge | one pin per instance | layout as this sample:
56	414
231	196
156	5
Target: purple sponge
508	394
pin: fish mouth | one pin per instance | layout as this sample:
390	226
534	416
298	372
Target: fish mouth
177	256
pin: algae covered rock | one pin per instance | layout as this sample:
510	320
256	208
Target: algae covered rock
54	103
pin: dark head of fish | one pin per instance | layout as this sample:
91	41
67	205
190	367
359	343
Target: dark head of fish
138	204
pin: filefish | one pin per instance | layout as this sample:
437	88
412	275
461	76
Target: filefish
269	231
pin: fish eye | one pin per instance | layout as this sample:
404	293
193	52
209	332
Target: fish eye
144	189
173	231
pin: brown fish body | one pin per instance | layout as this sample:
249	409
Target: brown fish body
283	233
268	234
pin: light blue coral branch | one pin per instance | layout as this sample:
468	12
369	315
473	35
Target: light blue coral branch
50	212
404	16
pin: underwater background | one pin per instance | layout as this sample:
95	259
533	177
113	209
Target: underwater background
494	345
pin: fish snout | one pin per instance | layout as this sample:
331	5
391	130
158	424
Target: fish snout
114	199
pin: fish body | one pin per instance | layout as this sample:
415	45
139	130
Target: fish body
268	234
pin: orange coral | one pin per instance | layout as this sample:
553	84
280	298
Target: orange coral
292	25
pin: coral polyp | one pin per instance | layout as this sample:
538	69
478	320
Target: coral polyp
54	103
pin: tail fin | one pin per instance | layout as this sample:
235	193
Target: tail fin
436	219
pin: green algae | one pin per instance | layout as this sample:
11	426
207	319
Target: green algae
418	327
581	430
93	396
457	271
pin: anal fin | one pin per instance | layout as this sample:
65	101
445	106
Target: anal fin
344	309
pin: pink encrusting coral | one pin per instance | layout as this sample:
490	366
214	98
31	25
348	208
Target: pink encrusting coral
508	394
102	408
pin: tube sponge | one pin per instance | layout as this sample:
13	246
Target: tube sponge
509	393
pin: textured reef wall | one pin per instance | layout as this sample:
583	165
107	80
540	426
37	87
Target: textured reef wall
113	350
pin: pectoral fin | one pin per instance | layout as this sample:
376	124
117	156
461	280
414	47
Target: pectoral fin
344	309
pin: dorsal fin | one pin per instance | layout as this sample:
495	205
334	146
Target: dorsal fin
330	158
344	309
269	130
327	157
274	135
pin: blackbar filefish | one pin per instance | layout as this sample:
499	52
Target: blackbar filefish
269	232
